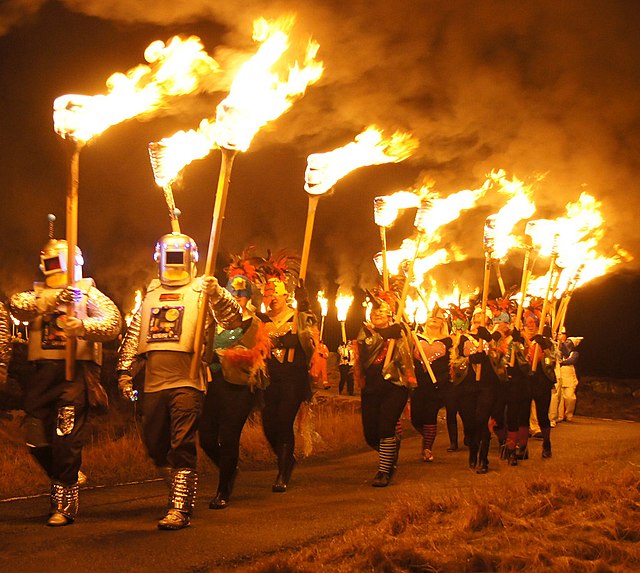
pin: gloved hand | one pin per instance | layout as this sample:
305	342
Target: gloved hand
496	336
210	286
3	374
302	298
544	342
476	357
484	333
125	385
72	326
69	295
516	335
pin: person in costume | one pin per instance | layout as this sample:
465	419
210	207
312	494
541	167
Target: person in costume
384	391
568	381
481	380
428	397
238	378
294	337
162	334
57	409
345	366
5	343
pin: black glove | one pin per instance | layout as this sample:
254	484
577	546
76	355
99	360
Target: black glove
496	336
302	298
393	331
476	357
517	337
544	343
289	340
484	334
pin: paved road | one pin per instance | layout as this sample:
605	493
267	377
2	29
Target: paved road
116	530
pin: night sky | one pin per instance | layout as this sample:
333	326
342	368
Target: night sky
546	90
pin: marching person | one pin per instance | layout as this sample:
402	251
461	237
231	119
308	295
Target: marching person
345	366
238	378
568	378
288	366
162	334
428	397
5	343
384	392
56	409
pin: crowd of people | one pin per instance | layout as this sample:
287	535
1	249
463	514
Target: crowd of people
500	370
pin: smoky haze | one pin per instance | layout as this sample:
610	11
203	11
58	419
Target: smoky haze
547	91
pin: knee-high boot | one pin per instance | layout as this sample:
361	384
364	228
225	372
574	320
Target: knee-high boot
182	497
226	481
286	462
452	430
64	504
483	455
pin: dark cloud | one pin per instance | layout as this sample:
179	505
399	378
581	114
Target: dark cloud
534	88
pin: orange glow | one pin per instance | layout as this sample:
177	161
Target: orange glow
174	69
257	95
343	303
370	147
324	303
136	307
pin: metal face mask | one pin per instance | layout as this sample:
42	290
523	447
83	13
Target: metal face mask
176	255
53	262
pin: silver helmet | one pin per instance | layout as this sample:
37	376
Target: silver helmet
53	258
176	255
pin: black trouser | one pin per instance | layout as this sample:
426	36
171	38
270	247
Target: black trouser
382	406
426	401
541	388
346	378
518	399
60	408
225	411
485	396
288	388
466	398
169	425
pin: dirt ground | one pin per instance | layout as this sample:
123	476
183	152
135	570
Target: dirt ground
608	398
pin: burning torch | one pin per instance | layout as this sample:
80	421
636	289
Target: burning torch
343	303
256	97
324	309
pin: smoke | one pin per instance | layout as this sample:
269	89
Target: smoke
533	88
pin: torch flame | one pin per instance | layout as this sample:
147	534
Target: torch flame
136	307
257	96
324	170
343	303
176	68
387	208
324	303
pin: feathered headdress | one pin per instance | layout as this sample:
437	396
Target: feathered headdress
278	273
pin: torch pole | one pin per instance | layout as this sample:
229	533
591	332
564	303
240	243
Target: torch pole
485	298
526	273
344	331
168	196
496	264
72	242
545	309
401	302
321	326
385	266
306	248
228	155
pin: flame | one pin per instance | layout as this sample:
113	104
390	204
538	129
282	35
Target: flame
136	307
415	310
171	155
175	69
435	212
324	303
370	147
343	303
498	237
257	96
387	208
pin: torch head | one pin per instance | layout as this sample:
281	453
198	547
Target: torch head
176	255
53	263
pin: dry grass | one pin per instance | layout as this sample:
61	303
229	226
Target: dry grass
115	454
576	523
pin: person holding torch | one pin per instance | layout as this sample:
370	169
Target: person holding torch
162	335
57	409
384	390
